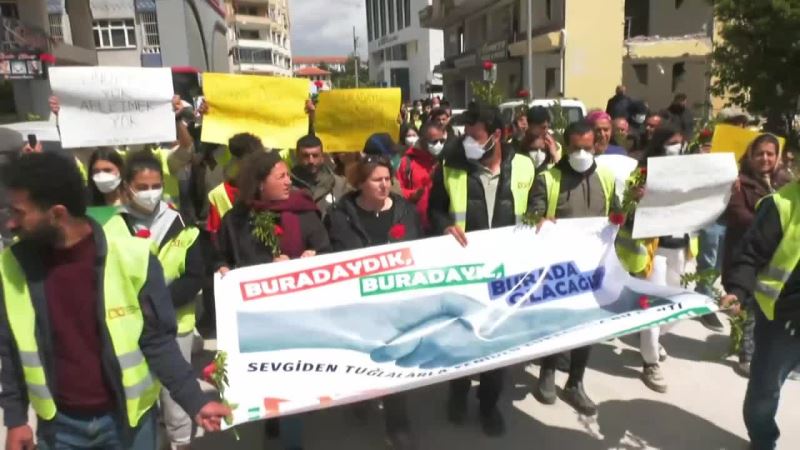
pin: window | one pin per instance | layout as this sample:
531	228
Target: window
408	12
550	76
245	55
370	35
249	34
678	74
114	34
641	72
549	7
248	10
376	19
383	18
400	22
149	23
9	10
56	28
678	4
391	16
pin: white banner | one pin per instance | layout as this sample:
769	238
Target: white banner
691	190
334	329
113	105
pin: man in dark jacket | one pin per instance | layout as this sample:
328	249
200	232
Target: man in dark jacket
618	104
497	184
314	174
681	116
75	354
767	267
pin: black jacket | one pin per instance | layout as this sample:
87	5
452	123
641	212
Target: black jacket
239	248
757	249
185	288
477	215
347	233
157	341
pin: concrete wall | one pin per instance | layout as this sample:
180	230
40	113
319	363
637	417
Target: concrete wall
593	56
127	58
658	92
690	18
192	33
542	62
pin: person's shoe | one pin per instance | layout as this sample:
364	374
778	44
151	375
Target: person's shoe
653	378
712	322
400	440
563	362
493	423
545	389
577	398
457	409
743	368
662	354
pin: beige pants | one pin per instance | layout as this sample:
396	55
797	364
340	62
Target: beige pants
176	421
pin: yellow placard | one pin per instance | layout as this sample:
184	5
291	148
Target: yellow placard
347	117
733	139
272	108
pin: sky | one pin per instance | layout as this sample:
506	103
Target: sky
325	27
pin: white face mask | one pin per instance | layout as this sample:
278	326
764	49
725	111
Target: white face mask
473	150
581	160
673	150
106	182
436	148
639	118
148	200
538	157
411	140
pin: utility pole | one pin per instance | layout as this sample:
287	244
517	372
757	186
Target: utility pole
355	54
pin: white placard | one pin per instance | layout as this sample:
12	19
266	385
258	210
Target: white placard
684	194
113	105
621	166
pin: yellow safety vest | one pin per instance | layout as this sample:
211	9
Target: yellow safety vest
552	182
455	182
108	217
771	280
172	256
125	273
219	198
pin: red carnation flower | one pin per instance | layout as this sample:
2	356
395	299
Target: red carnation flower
644	302
617	218
398	231
706	133
488	65
523	93
143	233
48	58
208	372
278	230
643	171
319	84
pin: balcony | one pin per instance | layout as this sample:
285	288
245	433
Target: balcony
257	22
261	69
655	47
443	13
545	39
263	44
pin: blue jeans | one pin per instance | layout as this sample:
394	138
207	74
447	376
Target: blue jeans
104	432
712	241
776	354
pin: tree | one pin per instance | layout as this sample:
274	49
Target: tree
756	61
347	78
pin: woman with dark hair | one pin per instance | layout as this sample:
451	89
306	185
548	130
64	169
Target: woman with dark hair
373	215
105	176
409	136
759	176
270	222
179	250
536	148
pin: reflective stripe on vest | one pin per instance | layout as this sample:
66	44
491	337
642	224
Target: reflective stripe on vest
552	182
126	268
173	259
219	198
772	278
455	182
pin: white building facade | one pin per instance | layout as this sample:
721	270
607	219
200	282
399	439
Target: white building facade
258	37
401	53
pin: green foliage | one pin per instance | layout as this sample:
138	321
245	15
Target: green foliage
264	223
487	93
560	121
755	61
219	378
708	278
347	79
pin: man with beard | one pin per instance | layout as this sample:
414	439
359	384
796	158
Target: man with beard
314	173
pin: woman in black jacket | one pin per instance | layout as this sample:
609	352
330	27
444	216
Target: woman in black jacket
373	215
271	222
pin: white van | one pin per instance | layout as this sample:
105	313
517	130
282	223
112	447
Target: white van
574	109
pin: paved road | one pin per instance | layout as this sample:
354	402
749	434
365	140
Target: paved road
702	409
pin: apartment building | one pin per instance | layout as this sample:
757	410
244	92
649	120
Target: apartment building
401	52
258	37
577	48
333	63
